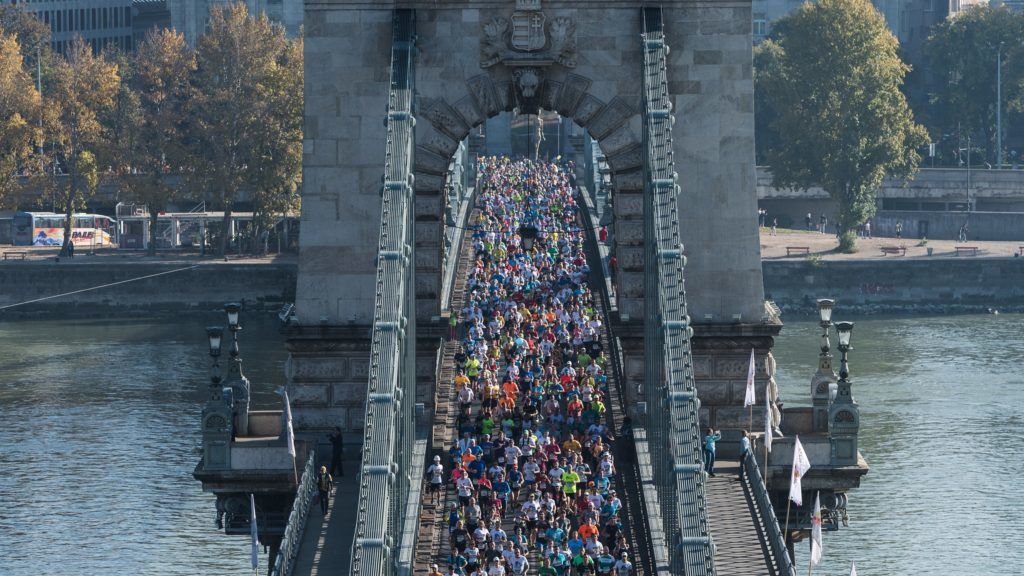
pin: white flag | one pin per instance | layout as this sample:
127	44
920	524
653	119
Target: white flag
800	467
289	432
853	568
816	532
252	529
767	419
749	399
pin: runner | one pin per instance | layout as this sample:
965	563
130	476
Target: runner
531	389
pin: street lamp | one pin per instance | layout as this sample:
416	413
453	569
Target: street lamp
823	382
528	233
845	331
215	334
844	414
240	390
825	314
232	309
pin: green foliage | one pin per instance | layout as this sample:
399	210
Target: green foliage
19	113
155	113
830	76
233	121
79	93
964	52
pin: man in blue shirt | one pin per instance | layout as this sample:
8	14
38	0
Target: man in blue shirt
709	451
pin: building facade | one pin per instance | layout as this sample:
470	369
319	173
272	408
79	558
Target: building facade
190	16
98	22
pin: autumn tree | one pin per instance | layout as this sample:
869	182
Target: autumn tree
20	134
80	89
154	114
964	52
237	58
277	169
831	75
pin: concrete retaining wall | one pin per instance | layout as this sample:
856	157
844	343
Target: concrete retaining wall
205	287
930	285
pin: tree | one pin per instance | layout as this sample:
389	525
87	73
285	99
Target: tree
20	134
236	57
154	114
277	171
964	52
831	74
80	89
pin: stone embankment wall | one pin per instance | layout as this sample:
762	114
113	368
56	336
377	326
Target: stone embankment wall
918	286
205	287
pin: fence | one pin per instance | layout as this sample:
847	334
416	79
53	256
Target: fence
296	526
755	486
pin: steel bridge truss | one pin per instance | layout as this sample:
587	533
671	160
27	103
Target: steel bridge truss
673	421
390	415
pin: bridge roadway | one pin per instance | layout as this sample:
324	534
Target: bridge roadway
738	533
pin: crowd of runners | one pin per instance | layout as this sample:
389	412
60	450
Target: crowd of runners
532	469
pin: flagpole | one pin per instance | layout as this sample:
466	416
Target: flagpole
789	503
810	559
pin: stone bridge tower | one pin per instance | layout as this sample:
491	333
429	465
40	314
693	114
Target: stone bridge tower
476	59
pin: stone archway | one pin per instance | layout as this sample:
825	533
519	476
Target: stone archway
580	58
614	125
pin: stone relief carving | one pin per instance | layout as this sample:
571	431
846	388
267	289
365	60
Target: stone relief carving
587	108
492	43
429	182
615	114
630	157
468	110
573	89
445	118
429	161
563	41
549	99
528	39
527	81
482	89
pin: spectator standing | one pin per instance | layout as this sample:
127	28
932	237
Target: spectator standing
324	483
709	450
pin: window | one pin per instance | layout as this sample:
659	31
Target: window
760	27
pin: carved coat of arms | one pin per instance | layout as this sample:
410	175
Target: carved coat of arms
528	31
528	39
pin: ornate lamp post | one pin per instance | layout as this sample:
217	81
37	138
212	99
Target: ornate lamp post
238	382
844	414
823	381
217	426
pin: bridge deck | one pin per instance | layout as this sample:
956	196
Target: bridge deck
326	542
739	545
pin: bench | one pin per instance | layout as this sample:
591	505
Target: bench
790	250
20	255
966	250
901	250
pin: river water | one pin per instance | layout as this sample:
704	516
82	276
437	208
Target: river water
101	430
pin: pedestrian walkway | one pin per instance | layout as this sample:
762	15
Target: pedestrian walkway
326	543
739	544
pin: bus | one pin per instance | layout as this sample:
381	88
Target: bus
47	229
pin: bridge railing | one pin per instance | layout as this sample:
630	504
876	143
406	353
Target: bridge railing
763	508
296	526
390	430
673	422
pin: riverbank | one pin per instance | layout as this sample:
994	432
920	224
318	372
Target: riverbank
113	284
871	282
116	285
